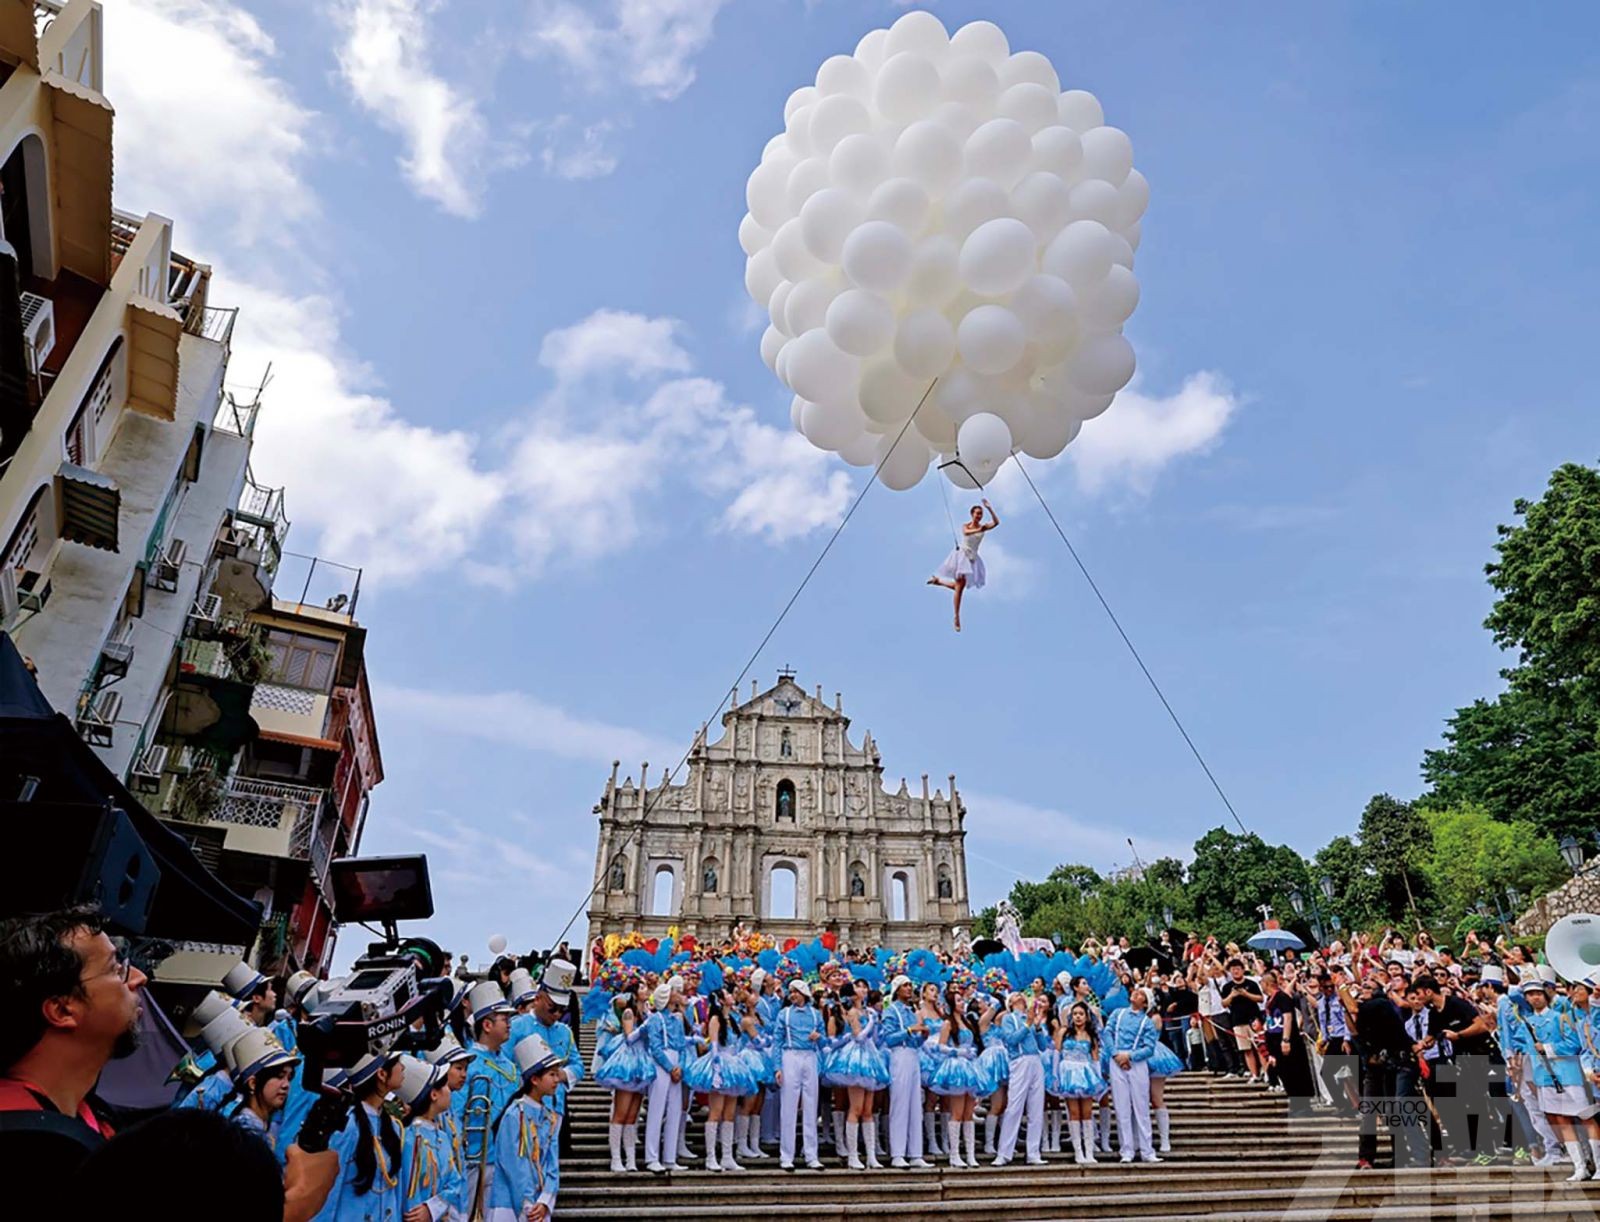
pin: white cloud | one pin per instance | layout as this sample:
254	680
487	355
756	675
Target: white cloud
517	719
652	44
1011	575
384	61
1140	434
994	820
614	341
576	152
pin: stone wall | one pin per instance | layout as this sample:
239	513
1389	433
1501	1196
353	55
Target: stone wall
1580	894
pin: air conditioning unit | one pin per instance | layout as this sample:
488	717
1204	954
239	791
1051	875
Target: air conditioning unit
98	721
39	326
169	566
230	539
182	760
147	769
116	655
205	613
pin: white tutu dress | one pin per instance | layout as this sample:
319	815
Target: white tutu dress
964	561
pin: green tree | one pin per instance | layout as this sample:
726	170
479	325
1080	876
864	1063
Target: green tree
1357	895
1231	875
1475	857
1395	842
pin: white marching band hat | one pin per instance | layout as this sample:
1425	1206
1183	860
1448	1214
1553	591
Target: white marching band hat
534	1056
1492	973
212	1006
242	980
256	1051
417	1078
522	987
449	1052
364	1069
298	989
487	998
222	1030
557	980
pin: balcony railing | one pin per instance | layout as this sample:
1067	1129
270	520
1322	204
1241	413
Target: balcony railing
124	228
266	804
263	505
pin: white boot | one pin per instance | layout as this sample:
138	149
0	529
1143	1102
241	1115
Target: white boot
712	1134
614	1137
631	1141
930	1141
1055	1132
852	1139
1164	1127
1594	1153
727	1148
969	1131
1088	1141
838	1132
952	1142
871	1142
683	1138
1105	1130
1579	1163
991	1122
1076	1134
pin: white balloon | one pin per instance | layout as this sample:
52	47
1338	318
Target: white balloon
827	219
935	427
777	147
806	307
877	256
497	944
797	131
928	152
962	393
761	276
797	408
907	87
984	440
982	39
1107	154
920	32
903	460
1043	202
924	343
1029	67
778	307
1121	251
781	368
902	202
858	163
803	96
834	118
1049	432
1133	197
820	371
961	121
1113	302
870	50
1031	105
765	194
805	180
1102	365
956	471
1058	150
888	393
971	203
830	425
970	81
1048	309
991	339
789	248
1080	254
998	256
935	275
860	322
861	450
1000	150
844	74
1132	233
752	237
772	342
1080	110
1096	200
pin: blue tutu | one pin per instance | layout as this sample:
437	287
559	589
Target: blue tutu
930	1055
1072	1074
721	1072
855	1063
958	1073
994	1067
1164	1062
628	1066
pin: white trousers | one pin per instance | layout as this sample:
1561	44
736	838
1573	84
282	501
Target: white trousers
665	1113
472	1186
905	1104
1025	1096
1130	1092
799	1102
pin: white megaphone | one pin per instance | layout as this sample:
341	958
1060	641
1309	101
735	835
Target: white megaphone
1573	946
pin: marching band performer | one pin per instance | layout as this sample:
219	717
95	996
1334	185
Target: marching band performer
754	1047
1164	1063
453	1060
931	1015
526	1142
667	1036
369	1148
1556	1047
430	1181
862	1069
1131	1038
1076	1078
903	1034
624	1066
768	1002
1024	1031
799	1036
491	1081
221	1026
957	1078
722	1074
547	1018
261	1078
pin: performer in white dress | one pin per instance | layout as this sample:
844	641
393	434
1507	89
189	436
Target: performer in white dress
963	568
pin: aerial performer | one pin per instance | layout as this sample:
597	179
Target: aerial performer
963	569
943	240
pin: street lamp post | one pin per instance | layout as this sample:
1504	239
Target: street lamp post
1571	852
1297	900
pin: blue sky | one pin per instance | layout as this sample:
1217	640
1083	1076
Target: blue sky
490	250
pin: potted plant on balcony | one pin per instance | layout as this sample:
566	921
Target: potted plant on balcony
197	796
249	657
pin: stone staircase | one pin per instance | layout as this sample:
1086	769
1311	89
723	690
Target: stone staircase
1234	1154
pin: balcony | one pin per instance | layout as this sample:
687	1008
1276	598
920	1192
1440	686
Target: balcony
69	41
215	683
249	548
271	818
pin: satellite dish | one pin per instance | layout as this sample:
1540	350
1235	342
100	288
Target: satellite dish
1573	946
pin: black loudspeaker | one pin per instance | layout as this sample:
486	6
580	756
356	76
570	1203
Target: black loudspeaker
62	853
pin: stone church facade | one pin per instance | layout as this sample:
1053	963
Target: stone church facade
784	824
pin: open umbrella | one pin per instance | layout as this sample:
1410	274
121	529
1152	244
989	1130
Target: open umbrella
1275	940
1139	958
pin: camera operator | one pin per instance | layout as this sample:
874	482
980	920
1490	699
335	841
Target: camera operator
69	1003
492	1078
1385	1047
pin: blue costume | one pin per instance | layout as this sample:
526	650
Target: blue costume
492	1076
857	1060
246	1119
559	1037
626	1064
381	1203
1075	1073
1164	1062
1132	1032
928	1056
428	1174
213	1090
529	1170
295	1110
956	1071
994	1065
1557	1036
721	1071
898	1019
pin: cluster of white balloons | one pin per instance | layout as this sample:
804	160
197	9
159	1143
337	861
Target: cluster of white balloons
937	212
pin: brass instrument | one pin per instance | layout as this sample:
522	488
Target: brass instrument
476	1122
